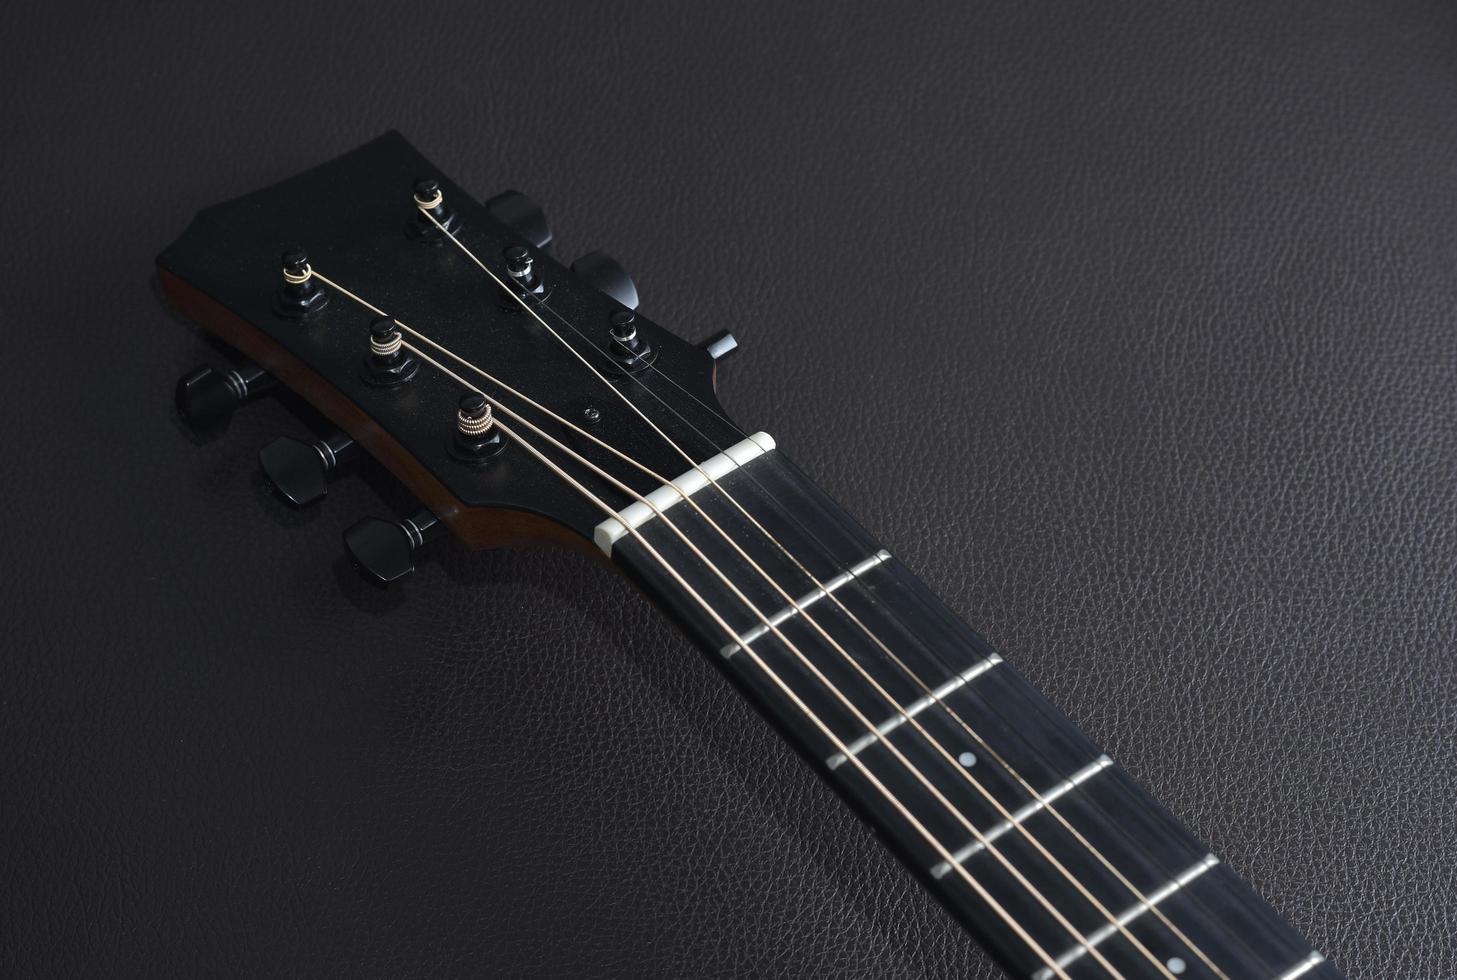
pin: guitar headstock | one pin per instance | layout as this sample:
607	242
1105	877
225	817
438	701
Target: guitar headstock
441	337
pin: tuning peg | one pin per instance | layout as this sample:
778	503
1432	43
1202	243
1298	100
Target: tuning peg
206	397
603	272
523	215
383	550
720	345
298	469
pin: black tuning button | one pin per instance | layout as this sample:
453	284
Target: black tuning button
602	271
522	215
298	469
206	397
383	551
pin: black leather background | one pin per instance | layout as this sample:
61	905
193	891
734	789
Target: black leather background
1132	328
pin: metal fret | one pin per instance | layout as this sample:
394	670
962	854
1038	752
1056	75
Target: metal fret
1022	813
932	657
806	600
1124	918
913	709
742	531
1303	967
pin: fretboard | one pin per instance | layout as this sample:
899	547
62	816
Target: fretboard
1047	851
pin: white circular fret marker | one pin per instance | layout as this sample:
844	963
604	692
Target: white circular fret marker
1176	965
966	759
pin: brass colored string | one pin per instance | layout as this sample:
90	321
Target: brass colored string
779	682
895	705
869	725
919	682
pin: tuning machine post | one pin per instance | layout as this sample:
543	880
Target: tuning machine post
387	363
631	351
476	439
299	295
520	266
430	204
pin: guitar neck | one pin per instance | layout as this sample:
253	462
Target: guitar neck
1023	828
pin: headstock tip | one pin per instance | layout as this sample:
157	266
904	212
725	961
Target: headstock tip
382	336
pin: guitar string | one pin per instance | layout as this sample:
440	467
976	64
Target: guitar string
919	682
774	677
927	690
1043	802
899	709
661	480
424	210
985	842
809	664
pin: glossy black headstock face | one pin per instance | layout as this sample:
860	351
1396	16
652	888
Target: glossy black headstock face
556	340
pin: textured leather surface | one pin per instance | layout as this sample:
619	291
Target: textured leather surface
1130	327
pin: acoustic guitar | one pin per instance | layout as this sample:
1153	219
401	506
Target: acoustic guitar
524	402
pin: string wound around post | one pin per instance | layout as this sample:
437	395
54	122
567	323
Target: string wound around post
301	294
429	201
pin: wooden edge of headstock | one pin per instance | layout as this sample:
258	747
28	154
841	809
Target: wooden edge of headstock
478	527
